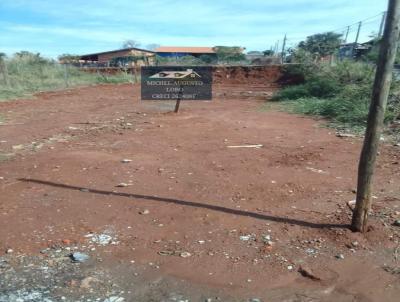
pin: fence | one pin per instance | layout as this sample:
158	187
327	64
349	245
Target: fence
21	76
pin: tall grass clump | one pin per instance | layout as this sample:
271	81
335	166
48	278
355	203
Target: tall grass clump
26	73
340	93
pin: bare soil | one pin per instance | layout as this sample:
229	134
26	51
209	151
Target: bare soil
193	219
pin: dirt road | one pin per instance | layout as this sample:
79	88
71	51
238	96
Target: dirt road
186	217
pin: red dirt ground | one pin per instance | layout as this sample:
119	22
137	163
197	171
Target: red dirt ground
62	155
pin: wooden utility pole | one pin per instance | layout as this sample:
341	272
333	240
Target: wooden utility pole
358	32
283	49
382	24
347	34
380	92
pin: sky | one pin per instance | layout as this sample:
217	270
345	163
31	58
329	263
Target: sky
54	27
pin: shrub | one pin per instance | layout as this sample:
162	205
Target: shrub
322	87
341	93
352	113
291	93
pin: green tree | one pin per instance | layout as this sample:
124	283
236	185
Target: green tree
321	45
268	53
66	57
229	53
207	59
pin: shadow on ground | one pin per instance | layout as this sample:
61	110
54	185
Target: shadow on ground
192	204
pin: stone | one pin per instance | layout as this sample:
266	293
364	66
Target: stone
396	222
114	299
9	251
79	257
340	134
340	256
102	239
122	185
125	161
266	238
246	237
144	212
185	254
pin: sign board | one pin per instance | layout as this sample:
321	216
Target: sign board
163	83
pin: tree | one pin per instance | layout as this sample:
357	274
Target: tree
31	58
229	53
321	45
3	67
268	53
152	46
66	57
208	59
130	44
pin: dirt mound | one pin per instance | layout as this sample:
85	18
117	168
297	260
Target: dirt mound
249	75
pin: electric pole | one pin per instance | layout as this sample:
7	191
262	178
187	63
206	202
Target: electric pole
382	24
380	92
358	32
283	49
347	34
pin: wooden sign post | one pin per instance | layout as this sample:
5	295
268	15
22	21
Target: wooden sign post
178	100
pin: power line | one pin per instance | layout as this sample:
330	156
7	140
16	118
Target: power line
356	23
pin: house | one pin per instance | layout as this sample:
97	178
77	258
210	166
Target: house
176	74
175	51
121	57
355	50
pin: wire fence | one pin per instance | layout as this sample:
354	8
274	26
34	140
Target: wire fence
24	75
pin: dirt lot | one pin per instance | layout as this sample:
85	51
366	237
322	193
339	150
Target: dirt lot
186	217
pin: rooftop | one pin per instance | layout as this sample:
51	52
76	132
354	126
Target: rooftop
185	49
117	50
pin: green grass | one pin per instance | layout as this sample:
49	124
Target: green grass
26	75
340	94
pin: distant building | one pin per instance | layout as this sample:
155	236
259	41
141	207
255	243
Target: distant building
355	50
174	51
121	57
